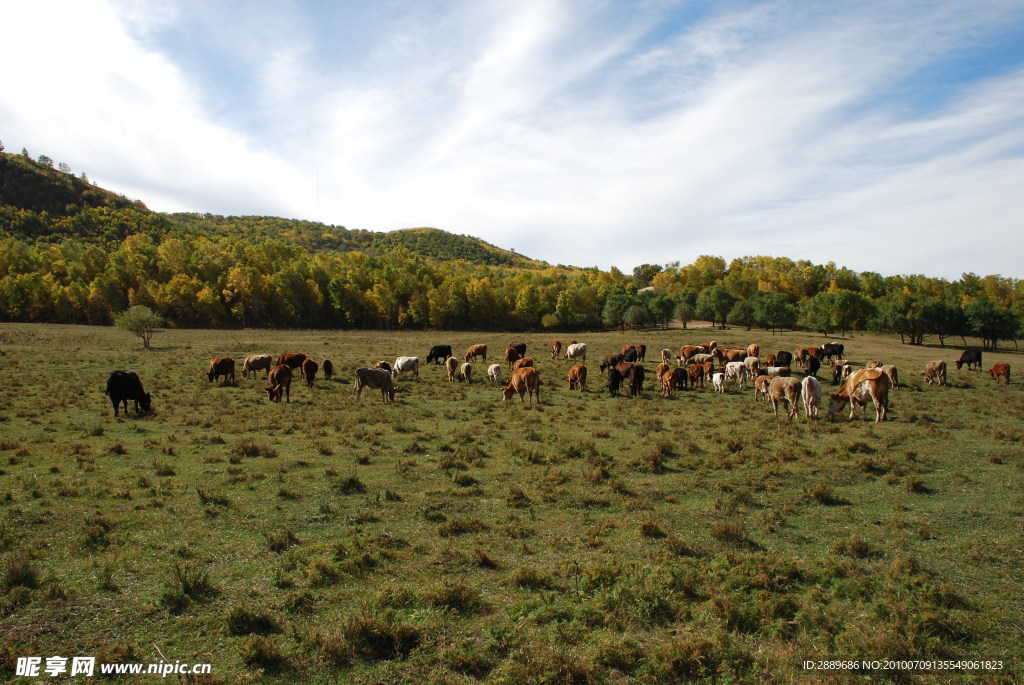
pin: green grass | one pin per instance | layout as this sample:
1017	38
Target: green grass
451	537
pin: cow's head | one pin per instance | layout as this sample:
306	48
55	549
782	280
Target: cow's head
210	375
274	393
836	403
958	364
146	402
507	392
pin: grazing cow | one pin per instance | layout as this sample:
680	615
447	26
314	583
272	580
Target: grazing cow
810	390
783	358
475	351
406	365
737	371
753	349
439	354
629	354
695	374
375	378
687	352
451	365
280	383
576	351
873	364
466	372
221	366
614	381
831	350
328	369
578	377
494	373
753	365
125	385
861	386
512	356
666	356
800	356
777	371
525	361
611	360
309	369
893	374
256	362
761	384
382	365
812	365
641	353
1001	370
634	373
769	360
524	380
293	360
718	381
783	389
935	372
702	358
520	348
556	349
970	357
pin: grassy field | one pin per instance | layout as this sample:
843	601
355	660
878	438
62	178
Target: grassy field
453	538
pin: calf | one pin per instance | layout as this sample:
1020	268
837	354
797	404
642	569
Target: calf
761	384
769	359
221	366
666	356
309	369
279	382
782	389
629	354
375	378
810	390
753	365
494	373
451	365
578	377
672	380
1001	370
256	362
125	385
466	372
524	380
935	372
800	356
718	381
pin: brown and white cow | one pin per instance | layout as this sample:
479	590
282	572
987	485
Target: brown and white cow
761	384
524	381
859	388
578	377
221	366
375	378
576	351
256	362
935	372
1001	370
475	351
556	349
279	382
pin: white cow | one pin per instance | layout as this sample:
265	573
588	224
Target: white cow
738	372
810	389
719	381
666	356
576	351
406	365
494	373
753	365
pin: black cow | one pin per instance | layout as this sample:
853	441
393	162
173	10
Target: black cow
614	381
328	368
812	366
520	348
611	361
783	358
970	357
125	385
832	350
634	373
630	355
439	354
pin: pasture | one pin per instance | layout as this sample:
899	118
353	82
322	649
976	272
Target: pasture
451	537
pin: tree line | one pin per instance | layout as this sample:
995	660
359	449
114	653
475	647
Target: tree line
74	253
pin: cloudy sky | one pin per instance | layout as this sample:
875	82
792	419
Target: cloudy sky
884	136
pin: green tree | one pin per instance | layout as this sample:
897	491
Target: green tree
644	274
773	310
636	316
991	322
140	320
714	303
742	314
684	312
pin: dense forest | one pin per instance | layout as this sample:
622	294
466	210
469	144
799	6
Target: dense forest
71	252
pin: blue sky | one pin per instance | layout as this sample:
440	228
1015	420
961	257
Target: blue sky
881	136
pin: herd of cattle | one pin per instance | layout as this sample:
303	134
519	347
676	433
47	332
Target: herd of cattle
694	365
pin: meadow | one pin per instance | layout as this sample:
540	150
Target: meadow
451	537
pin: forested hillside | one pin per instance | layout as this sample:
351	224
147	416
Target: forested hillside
71	252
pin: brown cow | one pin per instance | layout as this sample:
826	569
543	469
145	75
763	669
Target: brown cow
861	386
293	360
328	369
1001	370
221	366
893	373
727	354
935	372
256	362
375	378
709	368
525	361
753	349
761	387
280	383
800	356
451	365
309	369
814	352
578	377
641	353
524	380
556	349
769	359
784	389
670	381
475	351
686	353
511	356
695	374
660	370
873	364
